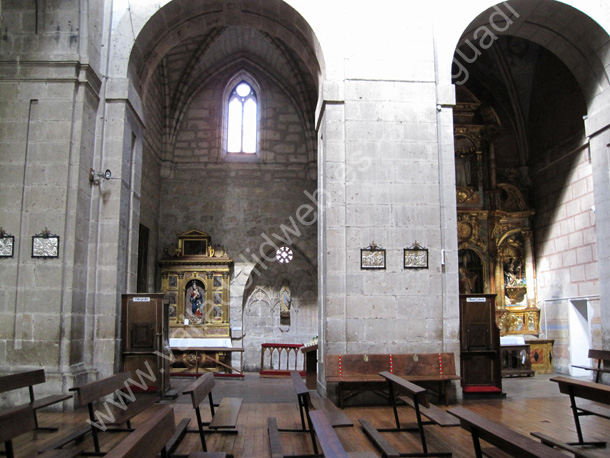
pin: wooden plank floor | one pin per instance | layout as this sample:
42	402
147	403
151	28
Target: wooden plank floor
531	404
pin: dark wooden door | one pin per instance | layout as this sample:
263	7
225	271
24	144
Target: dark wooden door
144	335
480	358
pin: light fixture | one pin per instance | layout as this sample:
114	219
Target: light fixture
94	177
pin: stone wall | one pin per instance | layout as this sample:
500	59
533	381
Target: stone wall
566	250
251	209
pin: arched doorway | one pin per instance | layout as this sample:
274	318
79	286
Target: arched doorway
187	65
528	84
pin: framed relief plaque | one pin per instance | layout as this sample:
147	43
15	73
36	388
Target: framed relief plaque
45	245
415	257
372	257
7	244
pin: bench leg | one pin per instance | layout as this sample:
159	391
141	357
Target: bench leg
477	444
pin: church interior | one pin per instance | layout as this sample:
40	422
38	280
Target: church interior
250	188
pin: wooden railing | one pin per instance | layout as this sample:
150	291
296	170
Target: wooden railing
277	360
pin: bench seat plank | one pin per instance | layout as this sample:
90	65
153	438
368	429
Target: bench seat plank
208	455
71	452
329	442
384	445
509	441
149	438
436	414
138	406
275	442
336	416
50	400
226	414
551	442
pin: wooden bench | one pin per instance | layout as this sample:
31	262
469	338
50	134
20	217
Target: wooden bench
111	413
590	391
329	441
601	356
358	372
20	420
224	415
416	397
155	435
29	379
551	442
506	441
307	402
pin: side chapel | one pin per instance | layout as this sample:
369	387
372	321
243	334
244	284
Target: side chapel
495	246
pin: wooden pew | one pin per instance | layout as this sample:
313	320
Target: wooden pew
329	442
28	380
355	373
148	439
416	397
507	441
590	391
306	403
153	437
601	356
110	413
308	400
224	415
20	420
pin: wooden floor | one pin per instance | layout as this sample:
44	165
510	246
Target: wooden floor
531	404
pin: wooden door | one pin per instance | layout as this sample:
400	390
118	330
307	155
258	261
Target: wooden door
144	333
480	358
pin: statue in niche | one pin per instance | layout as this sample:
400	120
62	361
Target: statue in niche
512	272
195	297
285	298
462	171
285	303
470	272
468	280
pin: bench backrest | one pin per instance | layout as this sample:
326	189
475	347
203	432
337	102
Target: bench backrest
21	380
399	364
507	440
93	391
356	365
603	355
411	390
583	389
297	382
16	421
200	389
149	438
424	364
329	442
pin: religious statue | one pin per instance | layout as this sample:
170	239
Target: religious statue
196	300
285	299
468	280
512	272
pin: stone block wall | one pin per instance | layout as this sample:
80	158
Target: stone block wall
565	244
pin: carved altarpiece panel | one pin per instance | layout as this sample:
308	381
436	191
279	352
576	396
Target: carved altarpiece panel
495	246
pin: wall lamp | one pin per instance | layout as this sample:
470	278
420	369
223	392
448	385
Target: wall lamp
94	177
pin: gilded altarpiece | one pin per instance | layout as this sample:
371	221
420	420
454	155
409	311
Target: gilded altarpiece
196	280
495	245
195	277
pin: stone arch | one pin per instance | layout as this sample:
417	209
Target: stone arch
550	24
163	27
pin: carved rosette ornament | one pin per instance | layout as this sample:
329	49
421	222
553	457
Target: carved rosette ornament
469	229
